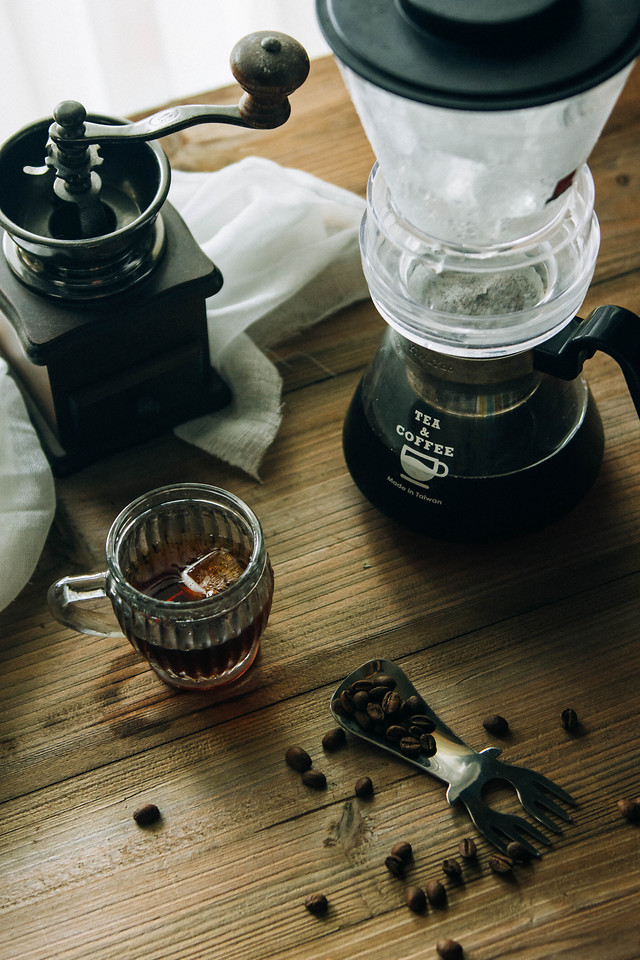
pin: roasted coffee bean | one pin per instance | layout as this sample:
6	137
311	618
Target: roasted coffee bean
317	904
392	704
630	810
315	779
364	788
416	899
518	852
346	702
452	869
146	815
402	849
377	694
363	720
394	733
436	893
410	746
298	758
363	685
449	950
334	739
425	723
428	744
500	864
375	711
384	681
411	705
360	700
394	865
569	720
496	724
467	848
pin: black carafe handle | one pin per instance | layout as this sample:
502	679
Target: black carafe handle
614	330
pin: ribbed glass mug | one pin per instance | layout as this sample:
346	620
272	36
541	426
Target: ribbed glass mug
195	644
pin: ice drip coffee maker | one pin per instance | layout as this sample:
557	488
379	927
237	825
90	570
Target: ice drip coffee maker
479	243
102	286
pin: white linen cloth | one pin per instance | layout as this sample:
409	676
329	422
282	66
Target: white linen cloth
27	495
287	246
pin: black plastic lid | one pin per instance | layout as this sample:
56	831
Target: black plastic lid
483	54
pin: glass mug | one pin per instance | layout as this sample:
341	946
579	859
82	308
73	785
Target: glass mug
193	635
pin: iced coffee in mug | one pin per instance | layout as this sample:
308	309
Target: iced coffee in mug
189	580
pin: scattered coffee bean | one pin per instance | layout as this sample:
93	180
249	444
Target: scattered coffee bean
394	865
384	681
467	848
317	904
404	850
449	950
363	685
499	863
518	852
428	744
298	759
496	724
630	810
315	779
416	899
334	739
146	815
364	788
569	720
436	893
452	869
377	694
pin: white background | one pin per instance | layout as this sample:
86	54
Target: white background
123	56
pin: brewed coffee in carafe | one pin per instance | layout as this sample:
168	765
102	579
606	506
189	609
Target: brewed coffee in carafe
479	243
450	449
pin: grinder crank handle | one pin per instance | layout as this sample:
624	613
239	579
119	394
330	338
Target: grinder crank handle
614	330
269	66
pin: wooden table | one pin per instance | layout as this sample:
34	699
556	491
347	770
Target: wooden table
524	628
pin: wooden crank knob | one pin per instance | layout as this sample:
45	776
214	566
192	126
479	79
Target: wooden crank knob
269	66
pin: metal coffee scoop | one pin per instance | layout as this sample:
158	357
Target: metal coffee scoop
462	768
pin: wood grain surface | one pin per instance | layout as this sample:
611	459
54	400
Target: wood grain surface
525	628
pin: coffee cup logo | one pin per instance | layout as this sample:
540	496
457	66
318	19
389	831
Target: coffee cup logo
419	467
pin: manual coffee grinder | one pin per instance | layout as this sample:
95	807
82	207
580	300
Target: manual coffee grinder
102	287
478	243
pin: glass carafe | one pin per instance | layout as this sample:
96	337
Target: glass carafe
470	449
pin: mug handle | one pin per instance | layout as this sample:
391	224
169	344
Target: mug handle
65	598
